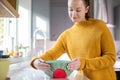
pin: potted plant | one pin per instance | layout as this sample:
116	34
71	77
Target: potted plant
21	49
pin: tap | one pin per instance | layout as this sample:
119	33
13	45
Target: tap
41	33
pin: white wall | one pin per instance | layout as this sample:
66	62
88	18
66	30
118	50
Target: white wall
24	22
59	19
40	15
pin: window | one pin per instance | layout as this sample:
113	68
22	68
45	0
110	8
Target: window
1	32
17	31
8	33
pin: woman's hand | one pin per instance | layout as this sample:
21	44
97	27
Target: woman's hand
74	64
41	65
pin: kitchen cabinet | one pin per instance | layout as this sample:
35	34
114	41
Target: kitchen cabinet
118	75
117	22
117	69
8	8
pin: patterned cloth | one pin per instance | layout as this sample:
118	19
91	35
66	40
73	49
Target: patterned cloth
58	64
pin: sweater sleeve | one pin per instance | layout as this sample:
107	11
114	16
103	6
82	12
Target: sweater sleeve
52	54
108	53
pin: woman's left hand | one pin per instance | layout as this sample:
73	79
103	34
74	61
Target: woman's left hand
74	64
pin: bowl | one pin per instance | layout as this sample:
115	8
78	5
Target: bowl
5	56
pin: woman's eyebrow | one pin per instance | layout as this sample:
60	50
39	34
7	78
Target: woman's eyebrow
79	8
76	8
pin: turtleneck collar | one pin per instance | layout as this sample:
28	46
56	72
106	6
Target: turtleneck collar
84	23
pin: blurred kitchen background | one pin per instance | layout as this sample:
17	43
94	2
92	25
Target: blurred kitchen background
29	27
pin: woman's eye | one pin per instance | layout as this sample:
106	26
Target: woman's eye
78	10
75	10
71	10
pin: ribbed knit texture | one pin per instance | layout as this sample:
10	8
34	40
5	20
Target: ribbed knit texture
92	43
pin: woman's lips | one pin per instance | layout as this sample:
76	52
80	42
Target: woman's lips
74	18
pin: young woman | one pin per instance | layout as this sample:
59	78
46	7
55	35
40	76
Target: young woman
88	43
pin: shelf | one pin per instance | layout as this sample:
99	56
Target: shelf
7	10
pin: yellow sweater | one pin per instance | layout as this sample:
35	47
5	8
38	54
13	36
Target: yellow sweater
92	43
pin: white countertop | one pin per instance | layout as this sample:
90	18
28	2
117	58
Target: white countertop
117	65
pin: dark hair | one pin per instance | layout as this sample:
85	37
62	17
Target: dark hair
87	3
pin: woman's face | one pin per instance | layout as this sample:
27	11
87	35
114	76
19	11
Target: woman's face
77	10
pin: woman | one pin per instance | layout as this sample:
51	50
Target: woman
88	43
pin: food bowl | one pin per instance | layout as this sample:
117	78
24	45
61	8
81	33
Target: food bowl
4	56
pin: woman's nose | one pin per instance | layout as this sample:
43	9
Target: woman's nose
74	13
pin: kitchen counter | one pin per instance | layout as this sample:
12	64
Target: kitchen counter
14	60
20	70
117	69
22	59
117	65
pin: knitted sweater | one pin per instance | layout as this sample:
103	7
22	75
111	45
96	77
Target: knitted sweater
92	43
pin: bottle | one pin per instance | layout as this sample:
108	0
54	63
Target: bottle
6	51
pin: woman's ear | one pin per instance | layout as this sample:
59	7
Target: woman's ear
87	9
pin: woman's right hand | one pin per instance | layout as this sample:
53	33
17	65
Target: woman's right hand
41	65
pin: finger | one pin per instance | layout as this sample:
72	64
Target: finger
70	67
41	64
75	59
41	60
44	67
73	66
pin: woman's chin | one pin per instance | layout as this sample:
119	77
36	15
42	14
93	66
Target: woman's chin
74	20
